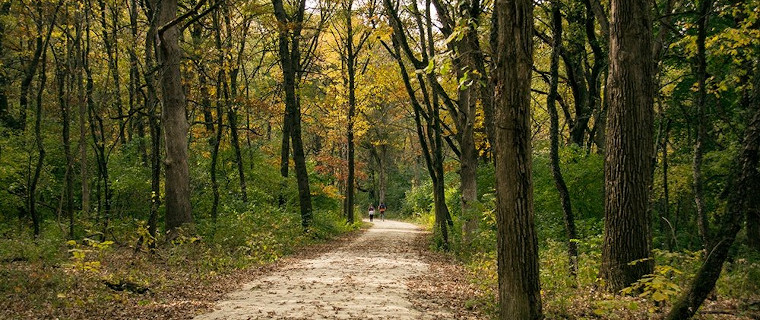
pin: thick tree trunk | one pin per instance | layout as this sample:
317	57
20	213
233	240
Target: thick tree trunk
626	251
174	120
517	246
559	181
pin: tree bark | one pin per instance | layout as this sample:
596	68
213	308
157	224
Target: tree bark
559	181
32	198
439	193
154	125
699	121
63	73
222	96
626	251
208	118
82	102
290	62
134	83
429	133
174	120
468	64
670	232
6	119
351	70
215	141
232	107
517	246
110	42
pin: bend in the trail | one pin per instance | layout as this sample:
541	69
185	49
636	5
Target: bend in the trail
364	279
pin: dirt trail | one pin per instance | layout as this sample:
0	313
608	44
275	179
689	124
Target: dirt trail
364	279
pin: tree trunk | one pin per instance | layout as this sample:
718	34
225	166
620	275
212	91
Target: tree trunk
429	133
575	54
222	96
63	72
559	181
444	216
82	53
232	107
350	59
32	198
98	135
135	91
29	73
151	105
215	141
208	118
174	120
6	119
302	176
626	252
753	224
699	120
110	42
97	131
517	246
743	184
290	62
670	232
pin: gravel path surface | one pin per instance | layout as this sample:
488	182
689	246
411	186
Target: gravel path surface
364	279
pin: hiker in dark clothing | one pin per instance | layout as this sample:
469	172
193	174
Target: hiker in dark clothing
382	208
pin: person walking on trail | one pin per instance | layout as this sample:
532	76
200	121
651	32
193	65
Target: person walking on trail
382	210
371	212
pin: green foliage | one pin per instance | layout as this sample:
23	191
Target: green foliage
82	254
584	176
658	286
741	276
419	199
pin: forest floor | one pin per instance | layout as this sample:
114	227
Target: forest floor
385	273
385	270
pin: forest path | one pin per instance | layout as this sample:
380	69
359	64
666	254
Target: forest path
366	278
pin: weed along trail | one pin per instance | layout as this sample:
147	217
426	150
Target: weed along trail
366	278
